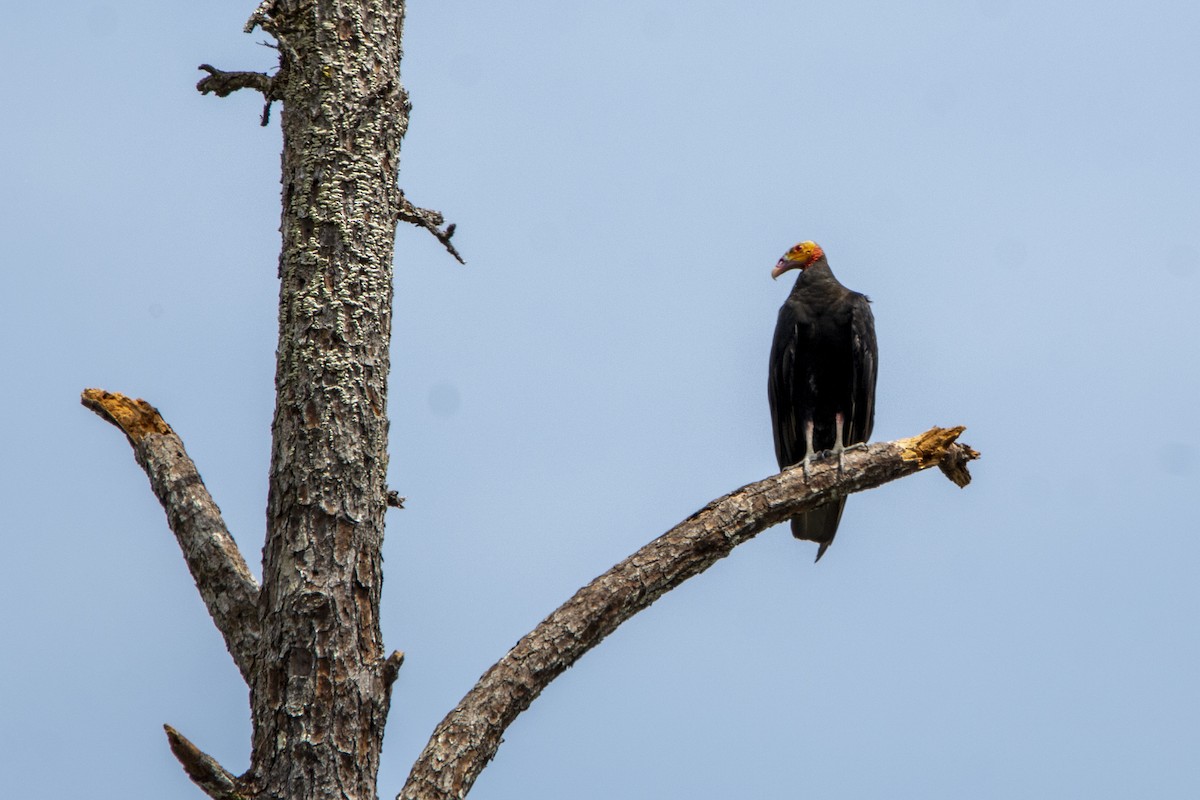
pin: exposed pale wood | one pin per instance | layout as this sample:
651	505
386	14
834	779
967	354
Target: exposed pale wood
467	739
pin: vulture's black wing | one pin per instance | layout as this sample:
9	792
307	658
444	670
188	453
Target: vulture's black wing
864	358
823	364
786	423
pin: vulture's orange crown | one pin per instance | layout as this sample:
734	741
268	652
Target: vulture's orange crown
800	256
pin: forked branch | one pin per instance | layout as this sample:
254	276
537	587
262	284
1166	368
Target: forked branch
467	739
431	221
225	583
223	84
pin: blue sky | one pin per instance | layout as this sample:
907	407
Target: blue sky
1013	183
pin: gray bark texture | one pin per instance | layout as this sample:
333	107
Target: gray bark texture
321	692
228	589
308	640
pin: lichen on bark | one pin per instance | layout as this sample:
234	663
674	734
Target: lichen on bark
321	698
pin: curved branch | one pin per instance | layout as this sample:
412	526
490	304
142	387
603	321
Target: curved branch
225	583
467	739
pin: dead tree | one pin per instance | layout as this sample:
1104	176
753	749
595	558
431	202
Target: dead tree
307	641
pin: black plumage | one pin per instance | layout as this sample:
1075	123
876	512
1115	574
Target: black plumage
823	363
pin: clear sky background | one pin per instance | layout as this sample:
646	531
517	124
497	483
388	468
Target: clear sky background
1015	184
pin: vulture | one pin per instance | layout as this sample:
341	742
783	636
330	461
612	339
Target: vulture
822	380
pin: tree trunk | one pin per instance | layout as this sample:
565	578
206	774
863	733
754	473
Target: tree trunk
321	693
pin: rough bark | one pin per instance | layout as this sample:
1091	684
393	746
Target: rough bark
228	589
321	694
203	769
309	643
467	739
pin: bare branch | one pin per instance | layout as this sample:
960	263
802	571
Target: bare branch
391	667
225	583
213	779
467	739
431	221
223	84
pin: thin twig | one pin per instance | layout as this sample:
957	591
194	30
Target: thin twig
431	221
